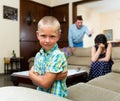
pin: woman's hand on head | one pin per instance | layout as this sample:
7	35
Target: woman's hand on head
101	45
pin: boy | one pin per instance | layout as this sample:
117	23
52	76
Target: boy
49	61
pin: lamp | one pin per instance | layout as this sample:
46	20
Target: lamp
29	18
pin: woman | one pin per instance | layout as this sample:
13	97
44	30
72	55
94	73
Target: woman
101	57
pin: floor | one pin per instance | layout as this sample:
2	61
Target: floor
5	80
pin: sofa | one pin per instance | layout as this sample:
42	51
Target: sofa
80	58
14	93
102	88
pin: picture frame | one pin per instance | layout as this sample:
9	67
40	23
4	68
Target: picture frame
109	34
10	13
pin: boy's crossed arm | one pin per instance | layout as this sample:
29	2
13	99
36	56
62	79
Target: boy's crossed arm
46	80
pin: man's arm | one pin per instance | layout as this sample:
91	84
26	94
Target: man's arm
91	32
88	32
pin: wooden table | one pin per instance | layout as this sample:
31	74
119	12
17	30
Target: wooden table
74	76
15	61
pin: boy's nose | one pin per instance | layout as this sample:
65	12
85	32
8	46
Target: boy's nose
47	39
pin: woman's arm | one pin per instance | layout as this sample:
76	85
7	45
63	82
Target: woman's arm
108	53
44	81
95	54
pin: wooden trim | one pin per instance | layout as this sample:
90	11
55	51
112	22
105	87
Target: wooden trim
74	6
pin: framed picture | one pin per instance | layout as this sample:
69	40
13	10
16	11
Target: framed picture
10	13
109	34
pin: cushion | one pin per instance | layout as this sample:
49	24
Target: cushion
31	59
117	98
80	61
116	67
109	81
115	53
26	94
31	62
88	92
82	52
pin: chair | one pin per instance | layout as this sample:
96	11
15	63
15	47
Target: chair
6	64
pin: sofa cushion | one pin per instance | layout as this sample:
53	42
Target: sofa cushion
82	61
115	53
31	62
109	81
13	93
31	59
116	67
82	52
87	92
117	98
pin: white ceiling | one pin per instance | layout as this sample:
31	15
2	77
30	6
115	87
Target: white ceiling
104	5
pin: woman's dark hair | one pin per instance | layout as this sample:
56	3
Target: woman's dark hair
101	38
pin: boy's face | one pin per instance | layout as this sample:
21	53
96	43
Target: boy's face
47	37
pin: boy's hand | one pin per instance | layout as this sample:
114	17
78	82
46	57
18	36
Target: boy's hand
61	75
36	73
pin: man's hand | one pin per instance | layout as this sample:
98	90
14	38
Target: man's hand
92	31
61	75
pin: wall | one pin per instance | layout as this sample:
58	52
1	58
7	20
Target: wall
29	44
53	3
111	20
99	22
92	20
45	2
9	33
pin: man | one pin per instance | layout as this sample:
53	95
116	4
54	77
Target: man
77	32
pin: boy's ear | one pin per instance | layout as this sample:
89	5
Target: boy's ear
59	36
37	34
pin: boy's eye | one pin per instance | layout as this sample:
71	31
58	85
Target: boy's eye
52	36
43	35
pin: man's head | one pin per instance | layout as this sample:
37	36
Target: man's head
48	32
79	21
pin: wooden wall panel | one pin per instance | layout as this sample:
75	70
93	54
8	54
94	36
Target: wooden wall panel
28	49
37	11
61	13
29	44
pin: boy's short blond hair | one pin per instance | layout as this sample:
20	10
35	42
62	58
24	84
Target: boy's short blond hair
49	21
